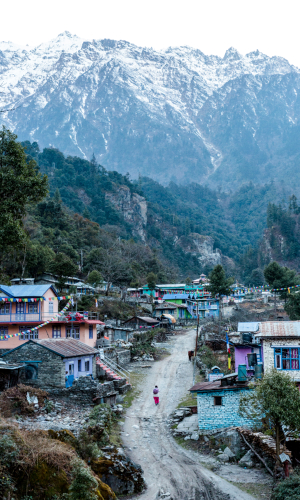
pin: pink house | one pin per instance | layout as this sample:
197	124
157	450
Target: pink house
24	307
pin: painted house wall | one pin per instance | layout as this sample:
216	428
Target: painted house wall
217	417
82	372
47	332
240	354
268	353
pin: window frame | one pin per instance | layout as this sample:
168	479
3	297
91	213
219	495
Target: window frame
69	336
218	398
33	305
87	361
286	360
6	308
55	328
28	336
3	331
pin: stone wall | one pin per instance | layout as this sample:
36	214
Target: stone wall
218	417
269	354
49	365
120	356
86	391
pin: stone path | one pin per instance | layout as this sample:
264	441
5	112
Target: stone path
170	471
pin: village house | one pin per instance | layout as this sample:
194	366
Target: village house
178	311
53	362
24	307
138	322
218	402
247	348
280	342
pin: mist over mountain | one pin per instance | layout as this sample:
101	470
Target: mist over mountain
173	115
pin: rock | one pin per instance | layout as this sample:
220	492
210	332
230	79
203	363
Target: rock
229	452
187	438
223	457
206	439
195	436
119	399
247	460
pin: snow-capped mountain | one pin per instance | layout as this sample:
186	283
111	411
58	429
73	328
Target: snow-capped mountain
173	114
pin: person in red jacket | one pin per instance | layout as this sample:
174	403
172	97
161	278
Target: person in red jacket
155	392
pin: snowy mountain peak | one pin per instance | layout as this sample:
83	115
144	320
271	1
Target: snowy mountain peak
168	113
232	55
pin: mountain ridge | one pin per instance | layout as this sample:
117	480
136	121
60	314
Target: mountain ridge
173	114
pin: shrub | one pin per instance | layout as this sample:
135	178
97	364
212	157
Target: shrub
84	484
287	489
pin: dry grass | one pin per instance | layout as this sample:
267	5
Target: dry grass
14	400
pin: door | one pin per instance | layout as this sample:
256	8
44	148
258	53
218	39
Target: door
70	375
20	316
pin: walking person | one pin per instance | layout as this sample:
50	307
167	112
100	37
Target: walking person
155	397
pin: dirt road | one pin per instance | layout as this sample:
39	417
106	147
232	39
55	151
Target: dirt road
170	471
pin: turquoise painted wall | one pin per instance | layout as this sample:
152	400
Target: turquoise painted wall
217	417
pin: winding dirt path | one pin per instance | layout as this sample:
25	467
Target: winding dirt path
170	471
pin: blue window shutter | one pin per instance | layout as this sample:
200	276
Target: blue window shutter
90	331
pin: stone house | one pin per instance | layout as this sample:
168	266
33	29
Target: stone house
53	362
218	403
24	307
280	341
141	322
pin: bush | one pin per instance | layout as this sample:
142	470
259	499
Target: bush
84	484
289	489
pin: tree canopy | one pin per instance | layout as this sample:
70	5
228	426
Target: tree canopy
20	184
281	277
219	284
275	399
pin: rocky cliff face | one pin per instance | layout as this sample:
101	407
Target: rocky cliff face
133	207
174	114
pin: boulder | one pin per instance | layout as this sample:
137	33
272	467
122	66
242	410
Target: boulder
223	457
195	436
229	453
247	460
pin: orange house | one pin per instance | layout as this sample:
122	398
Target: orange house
24	307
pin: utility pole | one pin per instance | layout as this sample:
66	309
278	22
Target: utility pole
196	345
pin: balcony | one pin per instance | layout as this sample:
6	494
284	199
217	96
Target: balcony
40	317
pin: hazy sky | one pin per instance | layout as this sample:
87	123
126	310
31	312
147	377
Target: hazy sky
212	26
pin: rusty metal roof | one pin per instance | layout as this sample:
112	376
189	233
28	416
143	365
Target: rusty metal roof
67	348
216	386
270	329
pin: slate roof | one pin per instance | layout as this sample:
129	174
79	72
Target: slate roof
18	291
271	329
67	348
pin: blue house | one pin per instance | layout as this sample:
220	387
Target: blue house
218	403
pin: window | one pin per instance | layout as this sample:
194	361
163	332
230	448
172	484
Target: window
286	358
50	307
28	335
31	372
5	309
218	401
87	365
90	331
79	365
73	332
3	331
56	331
33	308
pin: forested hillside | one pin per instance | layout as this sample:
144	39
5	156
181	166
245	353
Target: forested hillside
166	219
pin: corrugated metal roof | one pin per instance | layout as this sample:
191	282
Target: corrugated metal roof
26	290
279	329
166	305
176	296
67	348
248	327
